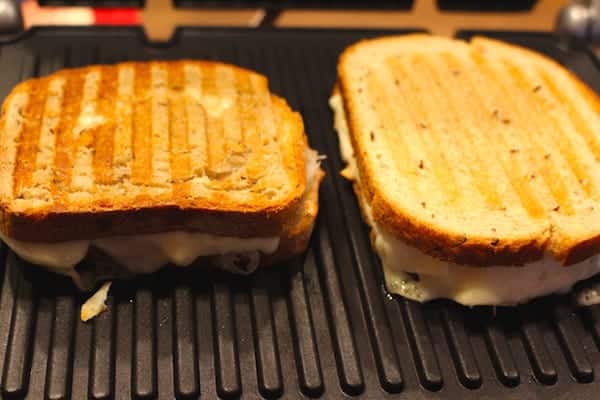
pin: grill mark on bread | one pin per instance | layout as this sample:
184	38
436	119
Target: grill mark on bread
214	124
12	128
264	118
178	130
246	104
264	128
534	137
440	166
161	168
254	129
393	120
583	129
580	149
455	143
266	115
141	168
104	135
42	176
83	137
515	170
196	120
479	167
282	149
123	140
234	147
559	137
72	97
27	141
495	159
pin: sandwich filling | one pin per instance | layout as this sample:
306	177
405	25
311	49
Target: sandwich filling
149	252
411	273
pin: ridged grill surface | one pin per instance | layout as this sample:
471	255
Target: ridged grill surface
320	326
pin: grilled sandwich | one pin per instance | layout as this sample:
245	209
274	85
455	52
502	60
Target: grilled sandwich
476	165
137	165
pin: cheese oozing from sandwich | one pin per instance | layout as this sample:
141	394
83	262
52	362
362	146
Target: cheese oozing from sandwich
147	253
411	273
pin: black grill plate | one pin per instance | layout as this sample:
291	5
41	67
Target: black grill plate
321	326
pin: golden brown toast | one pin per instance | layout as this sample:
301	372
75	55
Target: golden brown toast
480	153
148	147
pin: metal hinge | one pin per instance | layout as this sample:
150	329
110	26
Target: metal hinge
580	20
11	19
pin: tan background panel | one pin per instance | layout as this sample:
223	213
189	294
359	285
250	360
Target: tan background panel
425	14
160	18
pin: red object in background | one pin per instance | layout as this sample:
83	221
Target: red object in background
116	16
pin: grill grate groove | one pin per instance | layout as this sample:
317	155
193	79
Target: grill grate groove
307	356
501	356
349	371
102	365
61	348
18	356
184	343
144	339
265	341
542	364
226	360
318	327
460	348
566	331
424	354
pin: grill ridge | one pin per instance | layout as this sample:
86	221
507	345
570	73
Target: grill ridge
265	340
501	355
537	352
15	377
226	354
460	348
102	373
306	354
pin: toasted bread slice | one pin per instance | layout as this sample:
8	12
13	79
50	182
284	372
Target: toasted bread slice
148	147
480	153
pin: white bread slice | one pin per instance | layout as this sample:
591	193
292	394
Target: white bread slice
480	154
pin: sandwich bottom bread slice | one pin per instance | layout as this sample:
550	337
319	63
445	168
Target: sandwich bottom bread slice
476	166
111	171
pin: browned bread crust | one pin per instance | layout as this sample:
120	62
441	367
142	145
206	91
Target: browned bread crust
296	235
98	265
148	147
549	197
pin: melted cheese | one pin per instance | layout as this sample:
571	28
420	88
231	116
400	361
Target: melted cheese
139	253
413	274
96	304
